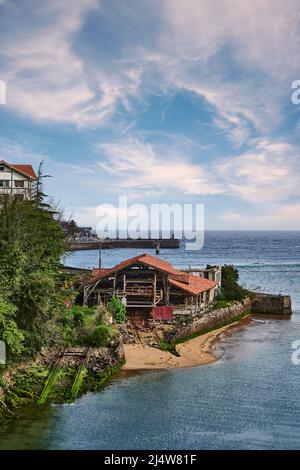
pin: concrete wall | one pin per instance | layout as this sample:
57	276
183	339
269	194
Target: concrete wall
272	304
210	320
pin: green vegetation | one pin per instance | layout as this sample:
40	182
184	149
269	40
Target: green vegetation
31	245
49	384
117	309
37	303
85	327
35	297
170	347
231	290
222	303
78	381
9	331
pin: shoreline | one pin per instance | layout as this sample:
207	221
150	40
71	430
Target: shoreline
194	352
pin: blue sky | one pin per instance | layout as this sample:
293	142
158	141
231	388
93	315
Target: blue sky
160	100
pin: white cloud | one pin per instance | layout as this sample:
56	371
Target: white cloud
267	173
271	217
224	51
46	79
230	216
140	167
14	152
198	44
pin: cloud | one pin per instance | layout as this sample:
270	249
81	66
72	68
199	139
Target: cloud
267	173
47	80
222	51
93	63
15	152
276	217
230	217
139	167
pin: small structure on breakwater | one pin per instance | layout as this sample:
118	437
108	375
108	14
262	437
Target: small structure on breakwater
271	304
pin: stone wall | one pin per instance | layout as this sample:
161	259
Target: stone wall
271	304
211	320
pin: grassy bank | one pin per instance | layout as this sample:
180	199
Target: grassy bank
32	385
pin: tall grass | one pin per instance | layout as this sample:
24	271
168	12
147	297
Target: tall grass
49	384
78	381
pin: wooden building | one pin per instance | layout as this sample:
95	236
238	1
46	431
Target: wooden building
149	286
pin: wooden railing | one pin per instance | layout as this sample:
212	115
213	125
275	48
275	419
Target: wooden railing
139	290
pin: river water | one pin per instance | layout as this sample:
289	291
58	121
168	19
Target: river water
248	399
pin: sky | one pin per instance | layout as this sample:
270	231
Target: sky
175	101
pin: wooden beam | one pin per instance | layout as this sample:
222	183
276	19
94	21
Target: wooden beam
154	289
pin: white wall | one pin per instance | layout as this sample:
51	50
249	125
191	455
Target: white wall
12	175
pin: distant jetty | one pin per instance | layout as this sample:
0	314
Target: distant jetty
123	243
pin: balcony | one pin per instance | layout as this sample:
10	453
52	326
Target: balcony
15	192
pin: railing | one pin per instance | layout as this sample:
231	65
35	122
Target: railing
137	290
6	190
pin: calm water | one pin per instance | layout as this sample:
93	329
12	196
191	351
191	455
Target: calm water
249	399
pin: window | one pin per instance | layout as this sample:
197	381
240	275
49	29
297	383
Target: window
4	184
1	168
19	184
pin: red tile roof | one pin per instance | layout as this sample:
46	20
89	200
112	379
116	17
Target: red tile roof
97	272
187	282
25	169
195	286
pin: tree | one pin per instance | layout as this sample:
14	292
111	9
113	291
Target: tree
31	247
231	290
38	187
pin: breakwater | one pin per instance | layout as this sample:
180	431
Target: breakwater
126	243
271	304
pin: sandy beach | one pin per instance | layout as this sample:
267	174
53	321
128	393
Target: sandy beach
195	352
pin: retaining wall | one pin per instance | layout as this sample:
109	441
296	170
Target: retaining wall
214	319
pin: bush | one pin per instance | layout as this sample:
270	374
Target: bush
221	303
231	290
117	310
69	336
9	331
80	315
100	336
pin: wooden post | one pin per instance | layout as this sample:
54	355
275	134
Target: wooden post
166	289
154	290
114	284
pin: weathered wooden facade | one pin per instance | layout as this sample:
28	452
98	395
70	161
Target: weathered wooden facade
146	283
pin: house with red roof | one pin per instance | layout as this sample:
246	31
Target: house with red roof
16	180
150	287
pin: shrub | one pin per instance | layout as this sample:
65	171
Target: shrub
117	310
231	290
9	331
80	314
69	336
100	336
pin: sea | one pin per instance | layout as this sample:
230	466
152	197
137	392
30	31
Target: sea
248	399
